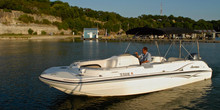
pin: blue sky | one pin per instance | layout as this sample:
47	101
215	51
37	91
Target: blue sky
195	9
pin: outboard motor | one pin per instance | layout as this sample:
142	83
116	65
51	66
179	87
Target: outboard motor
194	56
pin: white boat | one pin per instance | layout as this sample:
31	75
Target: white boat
123	75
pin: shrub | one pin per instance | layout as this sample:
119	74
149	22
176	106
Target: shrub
46	21
43	33
58	24
26	19
37	22
35	33
62	25
6	10
62	33
30	31
5	23
75	32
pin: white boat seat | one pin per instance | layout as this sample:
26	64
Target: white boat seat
157	59
115	61
111	63
93	64
147	65
174	59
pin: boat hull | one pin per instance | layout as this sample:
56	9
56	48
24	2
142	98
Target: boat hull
130	85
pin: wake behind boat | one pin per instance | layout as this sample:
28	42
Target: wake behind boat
123	75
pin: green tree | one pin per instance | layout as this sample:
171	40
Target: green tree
30	31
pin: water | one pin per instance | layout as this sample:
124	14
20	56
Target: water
21	62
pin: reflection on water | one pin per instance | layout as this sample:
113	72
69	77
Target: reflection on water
21	62
187	96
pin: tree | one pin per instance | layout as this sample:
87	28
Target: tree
30	31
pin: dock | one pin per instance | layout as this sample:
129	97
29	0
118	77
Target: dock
152	40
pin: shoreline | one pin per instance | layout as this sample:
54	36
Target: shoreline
78	38
37	37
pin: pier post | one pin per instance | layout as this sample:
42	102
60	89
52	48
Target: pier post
213	35
180	49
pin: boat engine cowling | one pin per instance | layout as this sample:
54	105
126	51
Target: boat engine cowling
194	56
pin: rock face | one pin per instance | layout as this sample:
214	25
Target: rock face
9	24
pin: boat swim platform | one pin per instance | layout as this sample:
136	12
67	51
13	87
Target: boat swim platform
159	40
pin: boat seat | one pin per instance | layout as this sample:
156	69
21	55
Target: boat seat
107	63
157	59
93	64
115	61
174	59
111	63
147	65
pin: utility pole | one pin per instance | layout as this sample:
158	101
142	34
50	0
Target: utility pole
161	9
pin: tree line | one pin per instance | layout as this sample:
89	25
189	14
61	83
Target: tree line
76	18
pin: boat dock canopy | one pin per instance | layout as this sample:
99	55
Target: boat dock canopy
159	31
177	30
206	31
145	31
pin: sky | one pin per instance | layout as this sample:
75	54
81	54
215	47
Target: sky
195	9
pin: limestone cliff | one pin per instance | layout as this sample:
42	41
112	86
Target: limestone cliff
9	23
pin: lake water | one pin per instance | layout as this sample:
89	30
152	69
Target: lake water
21	63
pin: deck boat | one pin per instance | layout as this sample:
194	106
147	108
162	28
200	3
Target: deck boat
123	75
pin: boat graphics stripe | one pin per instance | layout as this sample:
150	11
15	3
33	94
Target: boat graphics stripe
130	77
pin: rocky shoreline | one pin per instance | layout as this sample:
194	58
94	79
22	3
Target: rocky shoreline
35	37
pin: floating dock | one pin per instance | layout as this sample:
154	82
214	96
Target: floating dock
151	40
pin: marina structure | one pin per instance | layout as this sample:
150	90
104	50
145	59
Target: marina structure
207	33
171	33
90	33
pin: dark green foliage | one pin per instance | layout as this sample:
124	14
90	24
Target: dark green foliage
26	19
35	33
29	19
202	24
75	32
43	33
76	18
216	25
30	31
45	21
6	10
37	22
62	33
64	26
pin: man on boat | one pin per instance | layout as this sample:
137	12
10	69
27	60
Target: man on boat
145	57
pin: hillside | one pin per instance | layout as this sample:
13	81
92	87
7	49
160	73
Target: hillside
75	18
10	23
